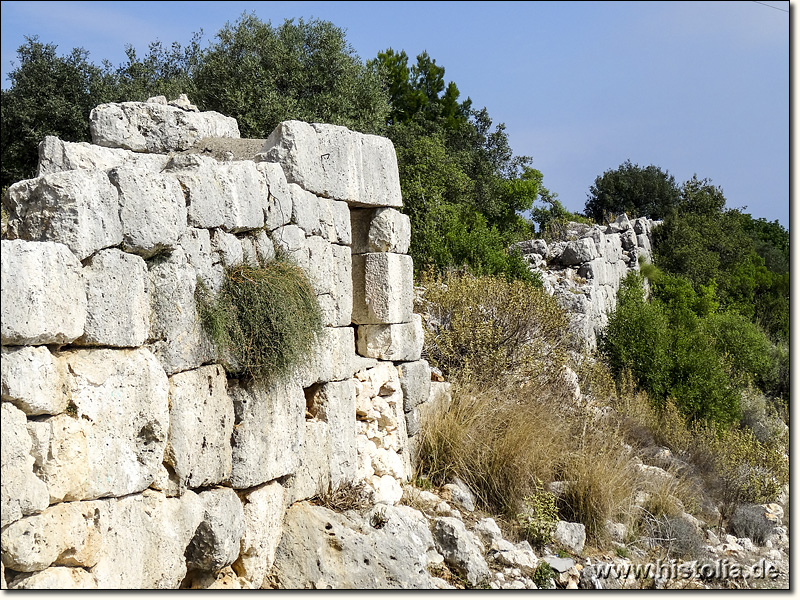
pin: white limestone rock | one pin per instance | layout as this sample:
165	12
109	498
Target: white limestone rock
79	209
329	271
335	404
228	246
578	251
462	550
570	536
118	300
65	534
56	155
55	578
113	442
488	531
380	230
278	207
179	340
32	379
313	474
305	210
145	537
268	431
396	342
217	539
203	192
264	508
332	359
294	145
152	210
415	382
383	287
196	245
43	293
22	493
244	193
201	417
152	127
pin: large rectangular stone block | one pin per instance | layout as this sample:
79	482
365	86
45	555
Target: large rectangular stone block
383	288
203	192
335	404
268	431
395	342
264	508
278	208
56	155
380	230
43	293
415	381
77	208
33	380
245	193
333	358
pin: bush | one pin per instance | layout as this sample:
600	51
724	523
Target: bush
749	520
264	320
539	518
481	329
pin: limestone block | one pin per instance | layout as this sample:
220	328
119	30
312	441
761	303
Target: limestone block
268	431
578	251
329	269
65	534
265	249
145	537
380	230
613	248
152	210
412	422
488	531
643	241
313	474
264	509
203	192
341	223
380	179
396	342
32	379
180	342
333	358
415	382
118	300
305	210
43	293
461	549
196	245
200	426
628	239
55	578
56	155
244	193
439	401
228	246
278	207
641	226
291	240
383	288
620	224
570	536
22	492
340	159
151	127
294	145
113	441
335	404
216	541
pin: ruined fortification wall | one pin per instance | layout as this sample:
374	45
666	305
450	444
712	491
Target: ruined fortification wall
129	458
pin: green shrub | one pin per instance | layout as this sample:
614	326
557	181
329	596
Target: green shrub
544	577
264	320
539	517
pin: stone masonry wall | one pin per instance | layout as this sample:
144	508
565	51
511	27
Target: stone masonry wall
129	458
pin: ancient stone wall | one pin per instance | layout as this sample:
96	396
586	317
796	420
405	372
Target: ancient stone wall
129	458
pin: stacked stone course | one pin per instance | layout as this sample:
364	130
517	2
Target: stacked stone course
128	454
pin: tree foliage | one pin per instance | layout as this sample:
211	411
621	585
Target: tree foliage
637	191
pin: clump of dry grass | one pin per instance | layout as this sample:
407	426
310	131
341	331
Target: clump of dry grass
345	496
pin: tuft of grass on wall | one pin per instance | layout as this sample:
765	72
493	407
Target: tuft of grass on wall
264	320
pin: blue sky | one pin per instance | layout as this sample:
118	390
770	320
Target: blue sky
693	87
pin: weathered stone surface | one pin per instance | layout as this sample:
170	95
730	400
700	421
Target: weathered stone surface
488	531
113	442
22	492
216	541
200	426
438	403
268	431
570	536
383	285
313	474
380	230
515	555
245	193
228	246
55	578
118	300
333	358
145	537
335	404
43	293
32	379
56	155
396	342
66	534
152	210
208	266
152	127
323	549
459	494
179	340
203	192
331	161
305	210
342	232
462	550
264	509
79	209
579	251
415	381
278	207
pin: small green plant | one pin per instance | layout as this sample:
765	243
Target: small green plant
264	320
622	551
544	576
539	518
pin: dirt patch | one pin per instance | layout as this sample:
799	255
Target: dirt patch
224	149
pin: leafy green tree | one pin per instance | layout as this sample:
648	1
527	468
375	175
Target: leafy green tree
49	95
304	70
637	191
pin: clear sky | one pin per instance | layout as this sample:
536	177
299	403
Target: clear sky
693	87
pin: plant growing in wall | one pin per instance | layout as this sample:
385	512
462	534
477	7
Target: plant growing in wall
264	320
